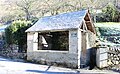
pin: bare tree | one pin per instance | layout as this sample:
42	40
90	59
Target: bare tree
39	8
26	6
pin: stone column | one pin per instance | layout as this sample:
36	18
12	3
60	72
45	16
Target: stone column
102	56
29	45
35	41
75	43
79	47
30	42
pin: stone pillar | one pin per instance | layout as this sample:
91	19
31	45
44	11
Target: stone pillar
87	49
35	41
79	47
75	43
102	56
30	42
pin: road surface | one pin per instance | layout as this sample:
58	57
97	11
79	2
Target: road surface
11	67
8	66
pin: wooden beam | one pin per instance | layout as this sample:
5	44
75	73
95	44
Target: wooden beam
83	30
85	26
87	18
88	21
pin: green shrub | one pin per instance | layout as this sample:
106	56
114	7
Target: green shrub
15	33
109	14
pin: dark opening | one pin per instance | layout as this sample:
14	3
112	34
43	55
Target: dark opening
53	41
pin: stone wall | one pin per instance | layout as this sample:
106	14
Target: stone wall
72	58
55	57
108	56
91	39
65	59
11	51
118	3
102	56
90	50
114	55
13	55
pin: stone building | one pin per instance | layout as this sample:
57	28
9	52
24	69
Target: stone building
61	39
117	3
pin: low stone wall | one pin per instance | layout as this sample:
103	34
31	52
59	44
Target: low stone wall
13	55
114	55
11	51
108	56
58	58
102	56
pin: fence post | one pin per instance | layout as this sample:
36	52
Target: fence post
102	56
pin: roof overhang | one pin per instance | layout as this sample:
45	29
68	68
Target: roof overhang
62	22
55	30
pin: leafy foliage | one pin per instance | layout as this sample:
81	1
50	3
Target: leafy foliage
15	33
109	13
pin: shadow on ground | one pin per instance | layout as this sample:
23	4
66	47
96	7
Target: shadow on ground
50	72
3	60
116	70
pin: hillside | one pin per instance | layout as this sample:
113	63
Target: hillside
16	9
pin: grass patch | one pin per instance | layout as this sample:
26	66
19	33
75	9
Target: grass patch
108	24
108	31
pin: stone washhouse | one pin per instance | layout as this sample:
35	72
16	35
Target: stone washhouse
61	39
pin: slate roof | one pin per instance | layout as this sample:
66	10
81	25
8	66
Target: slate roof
65	21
